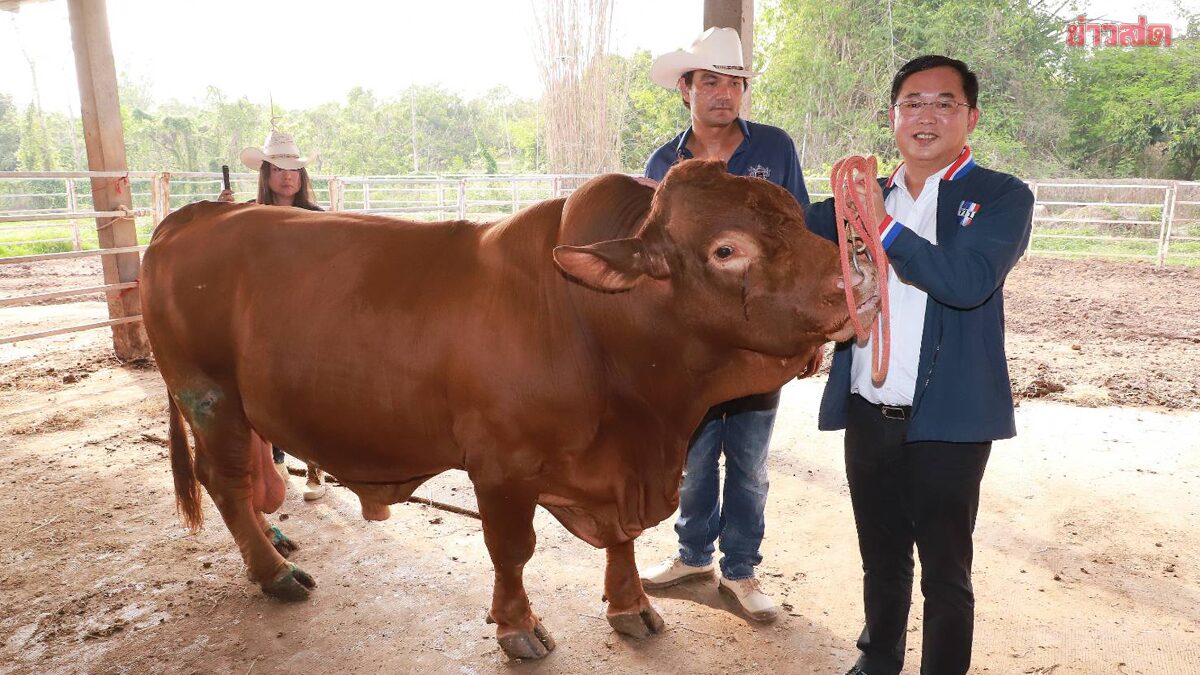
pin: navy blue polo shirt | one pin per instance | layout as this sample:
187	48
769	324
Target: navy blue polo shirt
766	152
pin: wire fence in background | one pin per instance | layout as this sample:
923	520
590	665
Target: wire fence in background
1155	221
50	216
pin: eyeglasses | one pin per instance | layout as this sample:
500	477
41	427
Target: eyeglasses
941	108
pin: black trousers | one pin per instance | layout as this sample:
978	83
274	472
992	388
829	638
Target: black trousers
913	493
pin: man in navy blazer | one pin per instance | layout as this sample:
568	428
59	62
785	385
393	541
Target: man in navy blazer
917	443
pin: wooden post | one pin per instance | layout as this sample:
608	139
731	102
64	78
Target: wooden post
105	141
72	207
1164	230
164	197
738	15
156	200
335	194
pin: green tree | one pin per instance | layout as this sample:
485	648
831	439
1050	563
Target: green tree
10	133
654	116
361	137
1136	111
36	152
825	70
828	68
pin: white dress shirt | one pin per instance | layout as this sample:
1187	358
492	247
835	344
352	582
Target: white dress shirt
907	302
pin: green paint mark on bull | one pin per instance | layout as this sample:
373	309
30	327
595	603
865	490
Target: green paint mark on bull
198	406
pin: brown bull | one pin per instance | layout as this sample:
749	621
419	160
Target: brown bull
562	357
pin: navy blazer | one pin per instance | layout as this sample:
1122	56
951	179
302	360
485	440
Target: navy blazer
963	393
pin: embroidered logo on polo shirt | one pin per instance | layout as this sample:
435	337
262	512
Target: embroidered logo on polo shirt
967	212
759	171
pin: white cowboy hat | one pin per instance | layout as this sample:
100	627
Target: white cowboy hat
717	49
280	149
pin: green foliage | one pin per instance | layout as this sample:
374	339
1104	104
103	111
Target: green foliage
46	141
825	70
10	134
179	137
1048	109
1136	111
362	135
828	68
654	115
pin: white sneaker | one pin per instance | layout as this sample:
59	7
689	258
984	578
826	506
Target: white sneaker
673	571
314	488
281	468
756	604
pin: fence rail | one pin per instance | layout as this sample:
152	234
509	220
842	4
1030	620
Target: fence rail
1156	221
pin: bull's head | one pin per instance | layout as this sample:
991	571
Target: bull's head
741	266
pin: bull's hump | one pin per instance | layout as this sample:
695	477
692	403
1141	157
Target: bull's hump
611	206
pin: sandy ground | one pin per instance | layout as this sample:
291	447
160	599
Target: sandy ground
1088	559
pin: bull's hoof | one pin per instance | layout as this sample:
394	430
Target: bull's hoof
639	625
279	540
292	585
533	644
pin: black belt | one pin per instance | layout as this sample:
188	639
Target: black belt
891	412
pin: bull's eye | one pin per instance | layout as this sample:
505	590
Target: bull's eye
723	252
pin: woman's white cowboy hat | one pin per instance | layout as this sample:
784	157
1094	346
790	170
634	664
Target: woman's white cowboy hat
280	150
717	49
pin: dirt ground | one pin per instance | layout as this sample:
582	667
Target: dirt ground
1087	548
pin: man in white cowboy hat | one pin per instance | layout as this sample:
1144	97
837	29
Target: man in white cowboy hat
711	78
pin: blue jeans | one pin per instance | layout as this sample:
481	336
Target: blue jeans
742	430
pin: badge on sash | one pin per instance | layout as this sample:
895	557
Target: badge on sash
967	212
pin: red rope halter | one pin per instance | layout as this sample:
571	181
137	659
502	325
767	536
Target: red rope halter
858	218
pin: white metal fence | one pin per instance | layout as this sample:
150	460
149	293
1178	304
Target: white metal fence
41	214
1153	221
1145	220
50	205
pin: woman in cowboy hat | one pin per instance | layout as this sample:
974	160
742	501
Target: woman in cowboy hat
283	181
282	178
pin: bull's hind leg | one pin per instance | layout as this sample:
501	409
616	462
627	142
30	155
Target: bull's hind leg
228	465
629	610
285	546
507	516
269	491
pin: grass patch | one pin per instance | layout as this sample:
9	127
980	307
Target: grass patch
58	237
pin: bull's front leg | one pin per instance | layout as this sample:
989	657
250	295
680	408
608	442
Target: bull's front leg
507	515
629	610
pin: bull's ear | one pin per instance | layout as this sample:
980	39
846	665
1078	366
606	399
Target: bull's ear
611	266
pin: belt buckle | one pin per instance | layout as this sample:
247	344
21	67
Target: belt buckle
892	412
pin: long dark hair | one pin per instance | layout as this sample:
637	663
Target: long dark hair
304	199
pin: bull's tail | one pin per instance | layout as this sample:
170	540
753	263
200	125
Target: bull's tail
187	488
